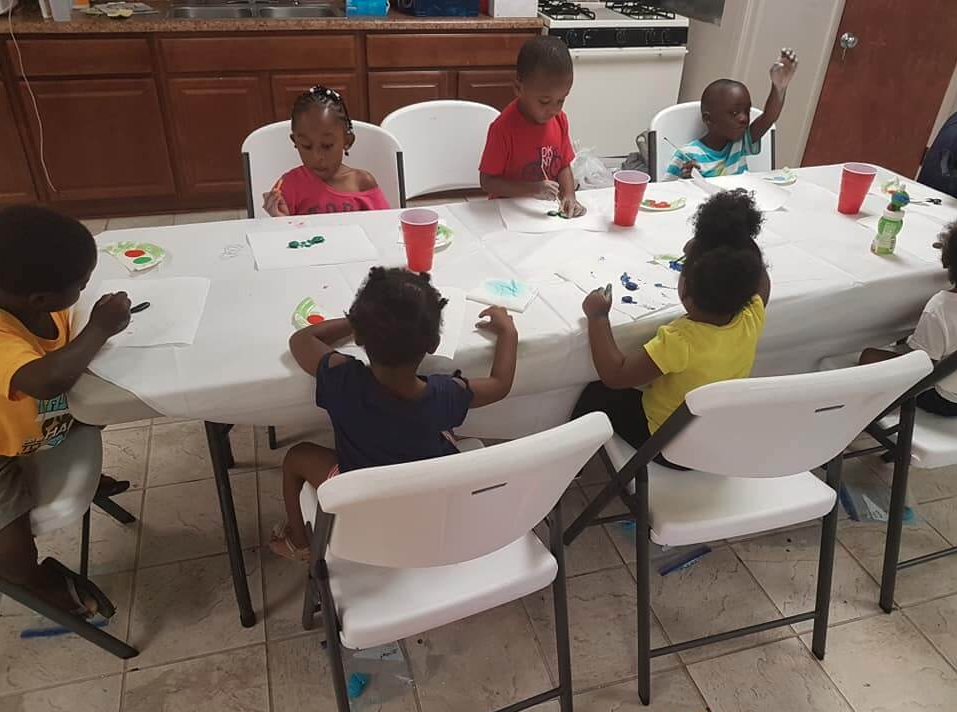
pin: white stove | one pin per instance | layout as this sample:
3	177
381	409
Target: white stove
629	57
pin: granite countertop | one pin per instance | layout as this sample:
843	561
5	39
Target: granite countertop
28	20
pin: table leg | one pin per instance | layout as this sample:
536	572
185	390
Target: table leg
216	434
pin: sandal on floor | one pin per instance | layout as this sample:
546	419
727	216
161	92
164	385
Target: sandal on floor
110	487
82	589
281	545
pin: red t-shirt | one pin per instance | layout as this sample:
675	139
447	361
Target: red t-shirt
307	194
519	149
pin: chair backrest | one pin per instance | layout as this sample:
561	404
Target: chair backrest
681	124
782	425
442	143
457	508
268	153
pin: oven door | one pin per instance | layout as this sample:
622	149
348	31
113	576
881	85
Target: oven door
617	91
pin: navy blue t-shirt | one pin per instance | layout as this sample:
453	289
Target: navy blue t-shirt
373	427
939	169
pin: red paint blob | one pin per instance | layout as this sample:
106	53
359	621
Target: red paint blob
134	253
315	318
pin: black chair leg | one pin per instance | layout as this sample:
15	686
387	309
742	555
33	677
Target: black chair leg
560	601
334	647
309	604
273	439
85	546
825	566
895	515
643	564
114	510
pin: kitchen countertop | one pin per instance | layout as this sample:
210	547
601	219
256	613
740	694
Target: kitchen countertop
28	21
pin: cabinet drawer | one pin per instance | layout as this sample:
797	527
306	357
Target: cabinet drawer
286	88
251	54
495	87
462	50
81	57
389	91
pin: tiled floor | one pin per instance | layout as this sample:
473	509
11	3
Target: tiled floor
169	576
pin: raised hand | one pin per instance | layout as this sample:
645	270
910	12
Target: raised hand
782	71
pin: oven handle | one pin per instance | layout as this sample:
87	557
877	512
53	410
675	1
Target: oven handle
595	52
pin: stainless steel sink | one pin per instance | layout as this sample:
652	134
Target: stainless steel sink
200	10
210	12
296	11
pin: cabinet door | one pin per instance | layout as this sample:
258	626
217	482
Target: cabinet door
16	184
286	88
211	117
389	91
102	138
495	87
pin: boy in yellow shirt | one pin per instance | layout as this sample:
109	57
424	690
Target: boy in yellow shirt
46	260
724	290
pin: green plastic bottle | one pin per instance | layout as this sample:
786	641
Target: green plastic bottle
890	224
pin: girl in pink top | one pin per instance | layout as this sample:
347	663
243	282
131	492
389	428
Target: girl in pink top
322	133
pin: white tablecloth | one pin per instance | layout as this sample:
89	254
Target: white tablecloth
829	295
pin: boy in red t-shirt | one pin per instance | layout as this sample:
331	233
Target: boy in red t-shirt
528	153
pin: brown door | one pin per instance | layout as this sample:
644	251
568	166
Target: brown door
211	116
16	184
389	91
494	87
103	138
286	88
880	98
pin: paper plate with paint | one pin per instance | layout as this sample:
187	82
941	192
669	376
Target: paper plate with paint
664	205
783	177
443	236
307	314
136	256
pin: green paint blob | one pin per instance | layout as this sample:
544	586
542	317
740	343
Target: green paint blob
142	260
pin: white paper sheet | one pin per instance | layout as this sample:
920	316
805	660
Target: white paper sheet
767	196
513	294
656	285
917	236
343	244
176	307
531	215
453	317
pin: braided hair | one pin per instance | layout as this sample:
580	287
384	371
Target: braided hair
326	98
397	316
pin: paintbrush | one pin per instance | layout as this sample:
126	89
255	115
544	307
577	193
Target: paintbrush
680	152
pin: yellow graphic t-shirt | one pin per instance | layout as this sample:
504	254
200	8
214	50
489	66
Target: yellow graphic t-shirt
692	354
28	424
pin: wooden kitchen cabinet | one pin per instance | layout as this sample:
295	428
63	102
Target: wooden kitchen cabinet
495	87
210	119
103	138
286	88
389	91
16	183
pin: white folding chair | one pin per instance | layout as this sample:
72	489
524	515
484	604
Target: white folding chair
750	444
681	124
64	482
268	153
442	143
400	550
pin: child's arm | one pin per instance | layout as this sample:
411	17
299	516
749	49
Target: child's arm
566	184
782	72
310	344
505	188
614	368
499	382
57	372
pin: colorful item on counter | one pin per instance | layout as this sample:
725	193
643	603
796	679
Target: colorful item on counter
785	177
136	256
652	205
307	314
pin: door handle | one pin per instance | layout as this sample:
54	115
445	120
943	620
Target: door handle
848	41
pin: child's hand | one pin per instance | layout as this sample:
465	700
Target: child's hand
597	304
274	203
499	321
546	190
687	167
111	313
571	208
782	71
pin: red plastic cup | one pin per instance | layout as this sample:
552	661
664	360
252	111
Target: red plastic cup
629	192
419	227
856	179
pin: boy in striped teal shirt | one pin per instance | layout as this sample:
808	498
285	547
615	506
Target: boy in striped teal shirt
726	112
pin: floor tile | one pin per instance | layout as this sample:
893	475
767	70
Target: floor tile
593	473
139	221
671	691
592	550
883	664
288	436
300	680
785	564
179	452
865	542
272	510
208	216
284	583
189	608
132	424
714	595
124	454
112	544
622	534
922	485
101	695
938	621
228	682
484	662
41	662
183	521
603	622
95	225
942	516
781	676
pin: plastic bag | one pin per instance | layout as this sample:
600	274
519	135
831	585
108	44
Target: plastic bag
590	171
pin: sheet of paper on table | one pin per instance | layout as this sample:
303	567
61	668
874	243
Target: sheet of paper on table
531	215
656	285
767	197
176	307
342	244
513	294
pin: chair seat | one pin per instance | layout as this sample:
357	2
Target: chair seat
935	439
378	605
694	507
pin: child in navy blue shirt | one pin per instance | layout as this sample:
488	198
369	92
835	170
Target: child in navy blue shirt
385	413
